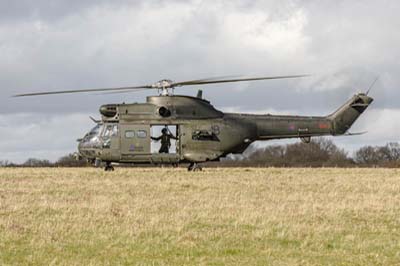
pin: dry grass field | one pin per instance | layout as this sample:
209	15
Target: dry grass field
215	217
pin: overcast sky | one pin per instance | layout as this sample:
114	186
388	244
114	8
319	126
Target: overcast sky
60	44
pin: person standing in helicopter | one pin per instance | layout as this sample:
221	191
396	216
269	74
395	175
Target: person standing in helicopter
165	140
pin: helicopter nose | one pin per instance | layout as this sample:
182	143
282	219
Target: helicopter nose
80	147
87	147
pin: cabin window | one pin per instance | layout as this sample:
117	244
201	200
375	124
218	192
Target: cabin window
215	129
129	134
141	134
204	135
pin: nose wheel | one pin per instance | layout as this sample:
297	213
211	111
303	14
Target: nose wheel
109	167
193	167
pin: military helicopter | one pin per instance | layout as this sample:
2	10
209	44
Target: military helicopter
197	131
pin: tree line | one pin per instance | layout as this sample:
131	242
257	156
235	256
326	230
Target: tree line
69	160
320	152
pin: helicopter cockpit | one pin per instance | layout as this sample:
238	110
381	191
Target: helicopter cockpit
92	139
99	138
90	143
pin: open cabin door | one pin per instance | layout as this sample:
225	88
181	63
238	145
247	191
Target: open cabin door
171	153
156	131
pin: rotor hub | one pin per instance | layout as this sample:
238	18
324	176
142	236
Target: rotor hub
164	87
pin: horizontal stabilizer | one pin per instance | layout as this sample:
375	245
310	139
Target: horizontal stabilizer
355	134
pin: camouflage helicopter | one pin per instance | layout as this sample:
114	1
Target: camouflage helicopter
192	130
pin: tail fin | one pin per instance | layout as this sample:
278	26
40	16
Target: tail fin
343	118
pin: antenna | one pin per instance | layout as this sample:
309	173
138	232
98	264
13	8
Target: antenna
370	87
200	94
95	120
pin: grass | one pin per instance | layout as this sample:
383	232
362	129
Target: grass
240	216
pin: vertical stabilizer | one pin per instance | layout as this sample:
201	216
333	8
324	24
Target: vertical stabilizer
346	115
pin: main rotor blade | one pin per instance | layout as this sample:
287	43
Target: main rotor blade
121	92
160	86
216	80
81	91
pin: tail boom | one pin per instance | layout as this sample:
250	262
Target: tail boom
338	123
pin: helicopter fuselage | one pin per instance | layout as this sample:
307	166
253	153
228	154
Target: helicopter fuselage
203	133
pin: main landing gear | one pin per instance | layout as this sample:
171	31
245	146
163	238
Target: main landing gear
193	167
109	167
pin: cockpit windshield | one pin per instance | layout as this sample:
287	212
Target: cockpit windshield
100	136
96	130
92	139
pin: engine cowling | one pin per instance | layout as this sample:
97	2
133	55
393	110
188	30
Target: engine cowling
108	110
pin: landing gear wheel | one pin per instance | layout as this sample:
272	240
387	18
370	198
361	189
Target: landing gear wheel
109	168
193	167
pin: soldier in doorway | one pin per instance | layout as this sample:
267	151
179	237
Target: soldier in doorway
165	140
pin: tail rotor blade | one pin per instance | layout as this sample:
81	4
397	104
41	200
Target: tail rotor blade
372	85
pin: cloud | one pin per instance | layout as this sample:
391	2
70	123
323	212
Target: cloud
26	10
92	44
40	135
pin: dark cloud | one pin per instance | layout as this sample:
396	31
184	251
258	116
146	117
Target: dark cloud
27	10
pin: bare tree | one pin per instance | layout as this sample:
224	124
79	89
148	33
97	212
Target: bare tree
388	155
71	160
33	162
319	152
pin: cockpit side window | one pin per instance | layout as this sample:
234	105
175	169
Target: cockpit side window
110	131
114	132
